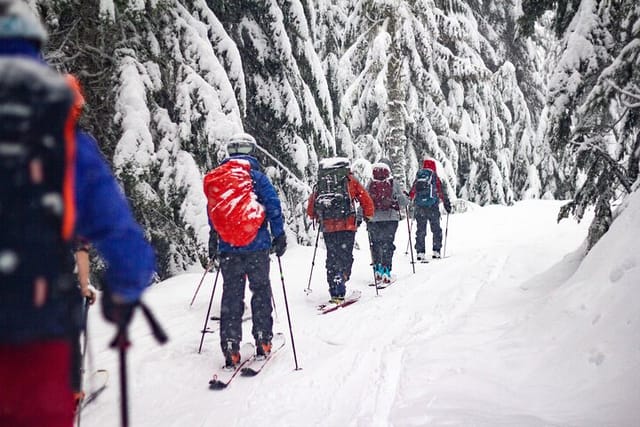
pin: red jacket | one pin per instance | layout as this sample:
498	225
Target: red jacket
431	165
357	191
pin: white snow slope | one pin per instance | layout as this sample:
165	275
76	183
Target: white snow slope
512	328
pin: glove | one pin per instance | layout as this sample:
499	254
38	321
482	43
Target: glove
447	206
280	244
89	293
118	312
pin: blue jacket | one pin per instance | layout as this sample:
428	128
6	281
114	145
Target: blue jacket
268	198
104	218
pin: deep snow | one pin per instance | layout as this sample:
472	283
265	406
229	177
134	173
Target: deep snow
512	328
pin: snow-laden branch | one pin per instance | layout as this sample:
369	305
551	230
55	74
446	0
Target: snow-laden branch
286	169
634	95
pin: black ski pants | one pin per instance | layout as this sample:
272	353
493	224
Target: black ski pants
381	237
236	268
431	215
339	259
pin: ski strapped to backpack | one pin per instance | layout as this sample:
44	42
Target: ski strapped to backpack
333	200
37	211
426	188
381	188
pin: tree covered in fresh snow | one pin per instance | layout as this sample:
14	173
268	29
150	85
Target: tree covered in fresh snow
162	81
288	105
594	103
168	81
433	78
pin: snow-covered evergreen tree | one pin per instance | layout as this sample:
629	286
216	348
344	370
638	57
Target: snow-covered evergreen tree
594	103
425	71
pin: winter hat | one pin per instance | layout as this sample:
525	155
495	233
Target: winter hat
381	171
17	21
241	143
429	164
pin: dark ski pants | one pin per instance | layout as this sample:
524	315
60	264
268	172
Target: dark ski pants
431	215
381	237
236	268
339	259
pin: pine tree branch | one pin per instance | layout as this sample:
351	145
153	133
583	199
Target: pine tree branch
635	96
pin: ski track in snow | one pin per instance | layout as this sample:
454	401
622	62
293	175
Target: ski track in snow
408	357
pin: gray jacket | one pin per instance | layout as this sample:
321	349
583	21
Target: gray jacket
391	214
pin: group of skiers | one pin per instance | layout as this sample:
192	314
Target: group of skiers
244	211
57	190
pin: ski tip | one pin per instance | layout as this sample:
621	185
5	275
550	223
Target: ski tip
248	372
216	385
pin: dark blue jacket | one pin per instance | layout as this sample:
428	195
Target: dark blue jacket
268	198
104	218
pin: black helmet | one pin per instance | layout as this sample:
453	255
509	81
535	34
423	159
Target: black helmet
241	143
18	21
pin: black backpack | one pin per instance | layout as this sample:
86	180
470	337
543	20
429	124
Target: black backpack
36	185
332	190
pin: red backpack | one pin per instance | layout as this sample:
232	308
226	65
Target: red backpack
232	205
381	188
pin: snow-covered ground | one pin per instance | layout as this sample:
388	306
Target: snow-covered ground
510	329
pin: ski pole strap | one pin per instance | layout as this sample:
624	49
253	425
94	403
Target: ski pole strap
157	330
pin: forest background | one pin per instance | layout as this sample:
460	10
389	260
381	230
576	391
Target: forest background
514	99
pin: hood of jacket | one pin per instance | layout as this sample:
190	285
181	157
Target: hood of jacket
429	164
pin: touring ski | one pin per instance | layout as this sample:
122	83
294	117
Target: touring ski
100	378
329	307
382	285
255	366
223	376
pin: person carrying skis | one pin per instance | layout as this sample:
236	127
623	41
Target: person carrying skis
55	185
244	211
332	204
388	199
426	194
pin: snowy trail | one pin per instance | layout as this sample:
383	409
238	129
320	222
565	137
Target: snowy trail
429	350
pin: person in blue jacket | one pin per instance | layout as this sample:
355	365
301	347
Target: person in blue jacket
251	261
36	334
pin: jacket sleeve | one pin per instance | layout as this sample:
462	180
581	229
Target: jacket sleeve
268	197
362	196
412	192
105	219
441	194
310	209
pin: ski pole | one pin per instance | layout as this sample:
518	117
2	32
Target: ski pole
286	304
409	223
313	262
121	342
211	263
85	340
446	232
413	264
373	266
206	319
